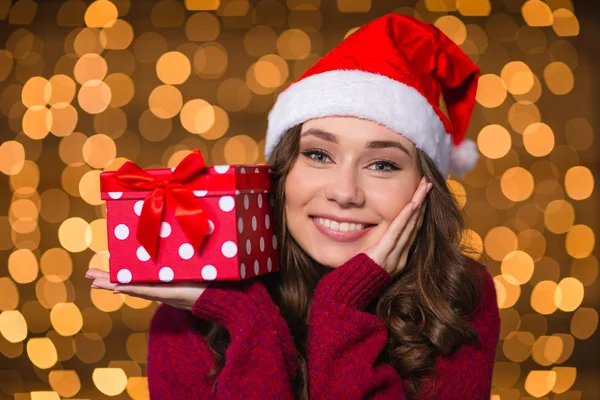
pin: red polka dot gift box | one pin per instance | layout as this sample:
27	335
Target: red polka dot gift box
191	222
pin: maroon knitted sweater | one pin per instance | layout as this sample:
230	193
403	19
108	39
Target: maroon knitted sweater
343	344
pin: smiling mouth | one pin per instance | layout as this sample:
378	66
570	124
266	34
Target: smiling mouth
340	226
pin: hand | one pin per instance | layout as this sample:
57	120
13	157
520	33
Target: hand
176	294
391	252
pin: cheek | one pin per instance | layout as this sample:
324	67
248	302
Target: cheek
297	192
389	200
293	189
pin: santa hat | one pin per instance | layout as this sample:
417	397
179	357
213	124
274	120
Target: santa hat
391	71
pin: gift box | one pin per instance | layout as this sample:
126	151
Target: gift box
189	223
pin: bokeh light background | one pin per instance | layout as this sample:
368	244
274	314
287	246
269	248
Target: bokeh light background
87	85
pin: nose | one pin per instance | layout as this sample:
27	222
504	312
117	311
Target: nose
344	187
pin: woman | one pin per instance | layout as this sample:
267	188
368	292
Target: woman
375	297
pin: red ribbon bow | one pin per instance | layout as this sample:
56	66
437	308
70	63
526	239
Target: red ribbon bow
170	192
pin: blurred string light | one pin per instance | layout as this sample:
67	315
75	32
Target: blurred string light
113	90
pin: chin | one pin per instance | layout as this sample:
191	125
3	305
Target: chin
331	258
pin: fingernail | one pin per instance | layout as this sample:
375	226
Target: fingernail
415	206
429	186
116	291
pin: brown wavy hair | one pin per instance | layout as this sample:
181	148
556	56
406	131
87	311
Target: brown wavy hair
425	308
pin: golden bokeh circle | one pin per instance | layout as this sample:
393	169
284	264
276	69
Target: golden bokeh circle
94	96
165	101
517	77
494	141
173	68
100	14
517	184
452	27
559	78
197	116
580	241
579	182
538	139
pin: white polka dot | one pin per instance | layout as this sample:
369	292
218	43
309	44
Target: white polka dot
142	254
256	269
137	207
246	201
267	221
243	271
226	203
108	254
269	264
121	232
259	200
254	223
173	169
211	227
221	169
274	241
237	191
124	276
248	246
270	170
166	274
256	170
186	251
265	191
252	191
240	225
115	195
200	193
242	170
262	244
209	272
229	249
165	230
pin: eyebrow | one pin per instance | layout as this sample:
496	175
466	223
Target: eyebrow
374	144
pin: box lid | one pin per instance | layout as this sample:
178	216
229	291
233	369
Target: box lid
217	180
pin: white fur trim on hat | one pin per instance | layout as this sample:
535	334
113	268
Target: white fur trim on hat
463	158
365	95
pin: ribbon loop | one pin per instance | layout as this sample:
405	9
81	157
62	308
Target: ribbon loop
167	192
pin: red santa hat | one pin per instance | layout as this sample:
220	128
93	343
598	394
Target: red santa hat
391	71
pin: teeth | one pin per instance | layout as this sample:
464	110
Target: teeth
336	226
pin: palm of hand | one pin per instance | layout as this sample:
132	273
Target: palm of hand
176	294
391	250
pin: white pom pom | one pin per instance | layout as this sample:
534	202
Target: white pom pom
463	158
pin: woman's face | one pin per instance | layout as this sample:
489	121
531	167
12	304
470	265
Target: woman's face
350	180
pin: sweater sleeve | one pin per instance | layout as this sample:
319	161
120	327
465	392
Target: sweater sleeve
344	342
260	358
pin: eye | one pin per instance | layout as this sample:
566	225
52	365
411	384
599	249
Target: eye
385	166
316	155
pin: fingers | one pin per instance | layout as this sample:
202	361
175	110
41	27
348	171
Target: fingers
382	250
403	240
96	273
101	279
177	294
